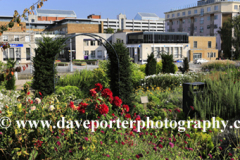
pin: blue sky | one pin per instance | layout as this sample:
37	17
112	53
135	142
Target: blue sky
107	8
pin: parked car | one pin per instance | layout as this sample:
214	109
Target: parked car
142	61
178	61
200	61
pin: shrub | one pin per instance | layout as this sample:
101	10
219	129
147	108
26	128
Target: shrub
67	93
167	64
159	67
125	89
151	65
185	64
10	84
80	63
143	68
220	65
44	71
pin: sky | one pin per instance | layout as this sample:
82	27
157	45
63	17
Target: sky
106	8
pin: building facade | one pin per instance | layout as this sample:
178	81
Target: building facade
203	18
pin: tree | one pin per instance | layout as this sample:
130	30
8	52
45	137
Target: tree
151	65
109	30
43	64
225	33
167	63
185	64
126	85
236	36
10	84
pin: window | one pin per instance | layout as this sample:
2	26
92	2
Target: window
178	14
181	52
173	15
215	8
175	52
236	7
166	49
5	38
201	29
168	16
195	11
11	54
195	28
216	17
18	53
208	9
215	26
183	13
16	38
93	44
189	12
197	55
5	54
86	43
189	28
195	19
33	20
99	54
122	23
195	44
173	22
171	50
209	44
202	20
202	11
92	54
208	26
27	38
214	54
208	18
183	21
28	54
86	53
177	22
168	23
189	20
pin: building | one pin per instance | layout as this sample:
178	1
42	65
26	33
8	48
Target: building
202	47
203	18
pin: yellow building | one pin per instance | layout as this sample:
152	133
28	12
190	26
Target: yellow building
202	47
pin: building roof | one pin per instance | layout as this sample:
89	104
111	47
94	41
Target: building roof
55	13
162	33
146	16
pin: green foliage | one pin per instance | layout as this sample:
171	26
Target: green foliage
68	93
137	76
159	67
185	64
151	65
43	65
10	84
219	65
104	64
167	63
220	97
109	30
143	68
126	86
100	76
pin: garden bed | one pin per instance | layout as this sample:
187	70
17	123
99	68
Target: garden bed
80	63
62	64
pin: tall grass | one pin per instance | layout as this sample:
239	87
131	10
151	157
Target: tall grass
218	65
220	97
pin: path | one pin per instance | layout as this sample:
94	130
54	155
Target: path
19	83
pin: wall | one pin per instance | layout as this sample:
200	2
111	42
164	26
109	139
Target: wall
40	18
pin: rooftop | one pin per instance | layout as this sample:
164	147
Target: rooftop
55	13
146	16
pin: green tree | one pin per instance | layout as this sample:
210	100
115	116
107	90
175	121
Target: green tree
109	30
225	33
126	85
167	63
10	84
151	65
185	64
43	64
236	36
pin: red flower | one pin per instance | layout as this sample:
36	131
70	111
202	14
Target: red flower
127	116
160	146
138	118
110	99
126	107
185	142
220	148
0	111
188	135
103	109
38	143
192	107
93	93
117	101
170	110
40	93
113	114
81	107
31	101
28	93
72	105
107	93
99	87
178	110
58	143
137	156
122	143
230	154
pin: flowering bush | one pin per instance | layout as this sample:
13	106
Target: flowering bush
103	143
